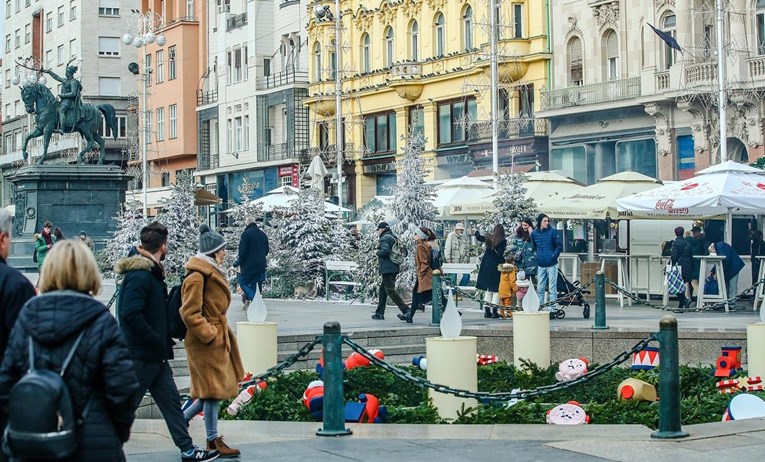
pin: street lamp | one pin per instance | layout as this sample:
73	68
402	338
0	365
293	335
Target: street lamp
142	31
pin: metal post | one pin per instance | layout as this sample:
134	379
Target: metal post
436	292
494	89
600	301
721	78
670	426
144	142
334	404
338	104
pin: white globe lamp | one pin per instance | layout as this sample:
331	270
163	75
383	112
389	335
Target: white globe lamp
161	40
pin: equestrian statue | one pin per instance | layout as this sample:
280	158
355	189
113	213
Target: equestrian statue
67	114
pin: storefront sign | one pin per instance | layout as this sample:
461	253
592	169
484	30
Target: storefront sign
380	168
285	171
295	176
455	159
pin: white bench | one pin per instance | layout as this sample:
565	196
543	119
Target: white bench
461	268
339	268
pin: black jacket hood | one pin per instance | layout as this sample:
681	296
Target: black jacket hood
53	317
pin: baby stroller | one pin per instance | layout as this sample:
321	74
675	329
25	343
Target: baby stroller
566	287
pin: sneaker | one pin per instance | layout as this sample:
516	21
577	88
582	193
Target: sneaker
199	455
222	448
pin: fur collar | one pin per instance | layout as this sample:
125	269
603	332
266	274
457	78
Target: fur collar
136	262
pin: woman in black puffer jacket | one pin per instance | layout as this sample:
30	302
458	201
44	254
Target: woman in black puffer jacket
100	368
682	256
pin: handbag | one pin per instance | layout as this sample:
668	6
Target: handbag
674	280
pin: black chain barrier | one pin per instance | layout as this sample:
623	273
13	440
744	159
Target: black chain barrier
563	298
500	396
710	307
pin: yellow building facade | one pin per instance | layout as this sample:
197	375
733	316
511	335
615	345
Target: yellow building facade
424	65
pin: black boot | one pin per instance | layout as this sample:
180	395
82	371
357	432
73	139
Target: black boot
407	317
486	312
494	313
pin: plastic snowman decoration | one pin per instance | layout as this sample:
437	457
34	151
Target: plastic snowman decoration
570	413
571	369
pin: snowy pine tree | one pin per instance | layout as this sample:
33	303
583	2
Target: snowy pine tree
367	275
181	217
128	234
510	204
237	215
412	204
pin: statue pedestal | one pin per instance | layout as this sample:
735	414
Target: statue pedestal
73	197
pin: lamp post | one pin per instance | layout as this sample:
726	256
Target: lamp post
142	31
339	127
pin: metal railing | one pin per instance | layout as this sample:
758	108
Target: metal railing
206	97
208	161
612	90
279	151
182	19
119	143
509	129
328	153
235	22
282	78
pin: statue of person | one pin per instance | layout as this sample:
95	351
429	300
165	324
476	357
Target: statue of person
71	99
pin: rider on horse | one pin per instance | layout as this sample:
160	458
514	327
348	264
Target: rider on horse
71	102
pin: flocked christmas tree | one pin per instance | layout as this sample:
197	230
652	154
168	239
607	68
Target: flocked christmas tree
510	204
181	217
128	234
367	274
237	216
413	202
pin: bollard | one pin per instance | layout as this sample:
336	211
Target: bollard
670	426
334	404
436	292
600	301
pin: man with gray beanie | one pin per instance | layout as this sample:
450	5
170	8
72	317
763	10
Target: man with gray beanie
253	249
388	270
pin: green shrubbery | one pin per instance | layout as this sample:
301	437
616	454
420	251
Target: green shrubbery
407	403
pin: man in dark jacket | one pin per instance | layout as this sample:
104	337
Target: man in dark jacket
143	316
732	265
388	271
253	249
548	248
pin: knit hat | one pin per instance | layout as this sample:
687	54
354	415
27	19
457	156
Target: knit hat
383	225
209	241
459	226
679	231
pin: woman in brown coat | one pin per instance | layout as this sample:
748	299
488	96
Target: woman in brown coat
423	287
213	355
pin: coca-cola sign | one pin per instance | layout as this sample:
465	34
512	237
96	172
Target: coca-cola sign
689	186
669	206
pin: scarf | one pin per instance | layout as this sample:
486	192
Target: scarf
214	263
47	238
146	254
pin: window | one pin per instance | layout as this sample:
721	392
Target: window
173	121
165	178
323	136
389	46
612	55
366	53
18	6
244	66
266	67
637	155
60	54
317	61
500	21
230	137
109	7
190	8
454	118
440	38
417	120
72	10
108	46
109	86
285	180
467	28
575	68
237	134
147	68
48	22
121	128
17	38
759	20
332	60
246	133
72	49
525	101
414	41
517	20
380	133
171	72
49	58
60	16
8	43
7	8
27	33
160	66
160	124
235	66
709	43
147	115
7	78
668	26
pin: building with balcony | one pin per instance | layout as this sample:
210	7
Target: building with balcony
53	33
622	98
252	120
424	66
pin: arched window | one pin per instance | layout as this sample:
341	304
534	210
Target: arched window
611	43
317	62
440	39
332	60
575	68
668	25
414	41
467	28
366	53
389	47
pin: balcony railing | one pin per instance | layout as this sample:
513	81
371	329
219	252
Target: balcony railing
282	78
757	67
662	80
208	161
581	95
235	22
406	70
509	129
277	152
700	74
206	97
328	154
182	19
119	143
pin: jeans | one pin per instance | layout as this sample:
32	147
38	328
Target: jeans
548	280
157	377
465	280
210	409
388	289
248	280
732	286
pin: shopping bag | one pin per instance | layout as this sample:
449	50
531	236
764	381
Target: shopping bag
710	286
674	280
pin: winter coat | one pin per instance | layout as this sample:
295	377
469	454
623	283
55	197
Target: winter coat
682	257
732	264
142	309
42	248
488	275
422	263
100	368
507	280
15	290
384	246
213	353
547	245
698	247
456	248
253	248
522	249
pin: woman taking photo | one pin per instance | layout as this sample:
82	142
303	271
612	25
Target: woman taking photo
213	355
488	274
523	250
423	286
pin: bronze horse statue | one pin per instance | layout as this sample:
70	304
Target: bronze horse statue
40	101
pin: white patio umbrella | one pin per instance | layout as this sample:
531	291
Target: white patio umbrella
276	198
724	189
463	190
598	201
317	171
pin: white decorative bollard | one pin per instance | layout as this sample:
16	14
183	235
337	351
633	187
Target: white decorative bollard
257	339
531	332
755	349
452	362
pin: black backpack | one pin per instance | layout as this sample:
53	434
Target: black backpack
174	302
41	423
34	255
435	260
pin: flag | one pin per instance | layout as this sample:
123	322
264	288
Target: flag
668	39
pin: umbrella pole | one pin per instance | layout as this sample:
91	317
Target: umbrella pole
729	227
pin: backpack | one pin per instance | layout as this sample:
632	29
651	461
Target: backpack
34	255
435	259
398	252
41	423
174	302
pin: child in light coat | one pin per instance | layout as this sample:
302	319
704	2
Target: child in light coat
507	286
